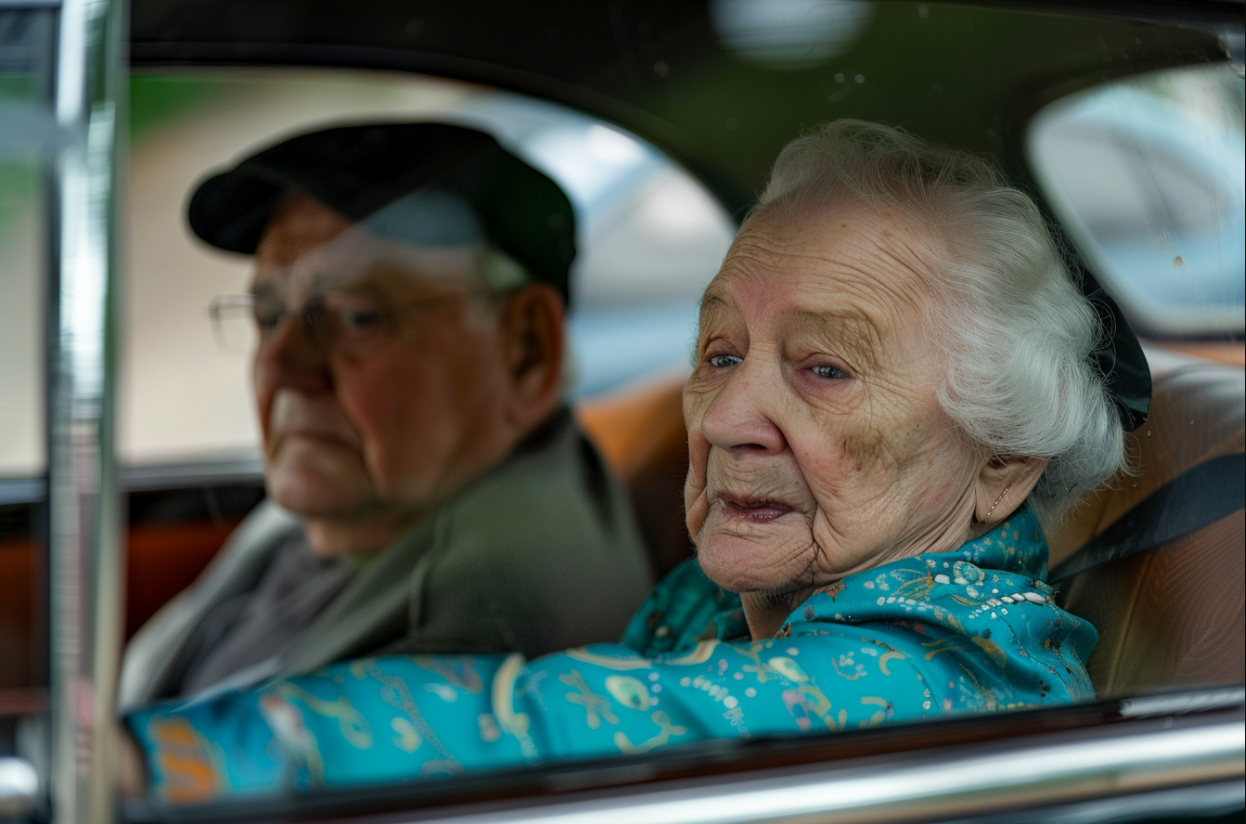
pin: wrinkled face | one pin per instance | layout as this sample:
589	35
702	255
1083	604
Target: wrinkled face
389	428
817	445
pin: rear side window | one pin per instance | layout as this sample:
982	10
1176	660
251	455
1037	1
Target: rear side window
1147	175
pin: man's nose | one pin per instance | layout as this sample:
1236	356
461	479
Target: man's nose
291	357
741	417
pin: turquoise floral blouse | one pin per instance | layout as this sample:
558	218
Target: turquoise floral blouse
969	631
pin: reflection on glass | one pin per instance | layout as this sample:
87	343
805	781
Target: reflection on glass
790	34
25	130
25	56
1149	176
21	219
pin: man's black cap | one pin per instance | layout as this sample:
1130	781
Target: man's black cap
357	171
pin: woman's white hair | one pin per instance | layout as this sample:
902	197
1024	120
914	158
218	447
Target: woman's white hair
1016	330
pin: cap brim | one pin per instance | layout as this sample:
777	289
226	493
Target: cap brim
230	210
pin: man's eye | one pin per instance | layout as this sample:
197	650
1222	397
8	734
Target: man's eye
723	361
268	318
828	371
360	319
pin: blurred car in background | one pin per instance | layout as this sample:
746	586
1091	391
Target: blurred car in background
1146	174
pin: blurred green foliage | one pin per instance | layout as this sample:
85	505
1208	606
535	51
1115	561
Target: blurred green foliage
159	99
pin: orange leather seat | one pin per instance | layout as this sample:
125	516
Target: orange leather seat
641	435
1169	617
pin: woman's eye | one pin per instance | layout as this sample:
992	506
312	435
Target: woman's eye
723	361
828	371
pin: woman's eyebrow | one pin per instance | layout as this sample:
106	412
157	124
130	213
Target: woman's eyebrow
713	308
850	328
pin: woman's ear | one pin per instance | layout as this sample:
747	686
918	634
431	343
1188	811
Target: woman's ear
1003	484
533	339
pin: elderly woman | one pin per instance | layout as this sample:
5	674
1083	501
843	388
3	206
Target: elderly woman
892	388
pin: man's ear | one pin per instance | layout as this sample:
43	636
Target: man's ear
1003	484
533	340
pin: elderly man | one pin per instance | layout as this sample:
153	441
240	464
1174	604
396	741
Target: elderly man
428	489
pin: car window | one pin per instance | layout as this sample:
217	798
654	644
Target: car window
720	90
22	452
649	236
21	216
1148	176
24	124
26	130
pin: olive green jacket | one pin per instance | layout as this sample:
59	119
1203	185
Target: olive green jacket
539	555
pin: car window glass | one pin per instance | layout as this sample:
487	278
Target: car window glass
26	130
21	404
1147	174
649	236
23	123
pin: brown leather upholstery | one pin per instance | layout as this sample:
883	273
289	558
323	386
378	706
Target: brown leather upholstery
1196	414
22	662
1172	617
164	559
1167	618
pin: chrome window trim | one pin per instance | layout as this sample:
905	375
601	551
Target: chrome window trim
85	564
998	776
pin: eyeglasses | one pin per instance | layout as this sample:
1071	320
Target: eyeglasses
349	324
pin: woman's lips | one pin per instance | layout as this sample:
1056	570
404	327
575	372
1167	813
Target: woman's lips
754	509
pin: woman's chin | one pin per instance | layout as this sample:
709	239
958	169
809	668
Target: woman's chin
740	564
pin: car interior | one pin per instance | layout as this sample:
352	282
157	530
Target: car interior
1170	615
1155	561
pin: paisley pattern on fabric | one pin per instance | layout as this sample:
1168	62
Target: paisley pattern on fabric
973	630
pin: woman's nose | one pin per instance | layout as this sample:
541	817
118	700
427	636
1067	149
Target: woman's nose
740	416
289	357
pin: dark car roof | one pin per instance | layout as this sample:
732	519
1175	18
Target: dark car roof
962	75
